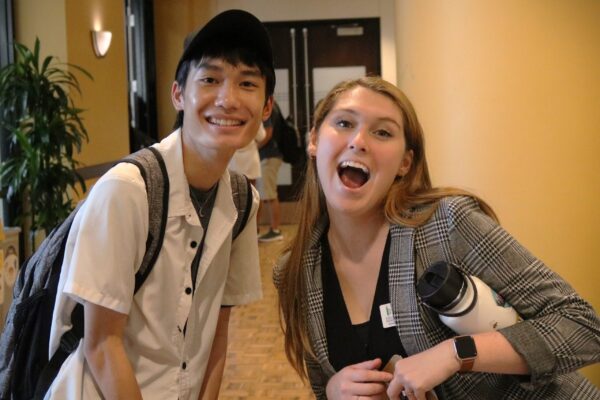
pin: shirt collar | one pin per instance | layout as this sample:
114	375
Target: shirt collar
180	202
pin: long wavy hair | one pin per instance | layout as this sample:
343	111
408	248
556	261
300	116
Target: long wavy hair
410	201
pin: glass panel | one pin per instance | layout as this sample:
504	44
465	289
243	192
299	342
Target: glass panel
282	90
282	96
326	78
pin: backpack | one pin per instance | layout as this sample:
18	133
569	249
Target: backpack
25	370
287	137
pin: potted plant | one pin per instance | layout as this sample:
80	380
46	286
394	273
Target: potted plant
43	131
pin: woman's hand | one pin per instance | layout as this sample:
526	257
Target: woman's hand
359	381
416	375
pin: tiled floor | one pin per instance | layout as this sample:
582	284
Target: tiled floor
256	366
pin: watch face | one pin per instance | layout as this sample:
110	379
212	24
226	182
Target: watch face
465	347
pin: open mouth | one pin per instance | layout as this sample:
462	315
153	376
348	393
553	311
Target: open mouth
353	174
225	122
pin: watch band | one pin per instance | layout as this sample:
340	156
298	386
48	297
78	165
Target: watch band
466	365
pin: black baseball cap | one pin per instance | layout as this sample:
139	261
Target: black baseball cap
232	29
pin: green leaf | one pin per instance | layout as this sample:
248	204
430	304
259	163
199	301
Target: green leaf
36	53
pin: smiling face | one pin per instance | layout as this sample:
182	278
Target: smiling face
360	149
223	106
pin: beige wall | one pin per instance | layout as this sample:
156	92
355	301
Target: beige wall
104	98
31	21
63	27
508	95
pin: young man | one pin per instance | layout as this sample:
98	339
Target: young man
168	341
270	162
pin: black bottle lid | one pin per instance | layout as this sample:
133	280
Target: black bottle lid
440	285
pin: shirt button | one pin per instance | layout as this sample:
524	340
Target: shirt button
188	290
193	244
183	366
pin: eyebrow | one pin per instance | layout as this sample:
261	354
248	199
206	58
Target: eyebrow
244	69
356	113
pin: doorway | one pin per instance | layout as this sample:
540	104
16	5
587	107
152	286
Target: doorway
310	58
141	74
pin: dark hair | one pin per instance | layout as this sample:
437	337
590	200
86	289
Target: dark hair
233	56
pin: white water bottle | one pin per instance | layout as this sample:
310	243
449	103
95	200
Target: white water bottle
464	303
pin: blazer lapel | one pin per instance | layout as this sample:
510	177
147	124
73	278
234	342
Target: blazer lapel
403	296
314	300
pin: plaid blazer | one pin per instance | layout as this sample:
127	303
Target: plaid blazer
560	333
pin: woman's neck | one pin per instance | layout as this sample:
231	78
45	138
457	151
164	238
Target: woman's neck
356	236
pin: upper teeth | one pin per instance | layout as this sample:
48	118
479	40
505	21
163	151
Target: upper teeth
355	164
225	122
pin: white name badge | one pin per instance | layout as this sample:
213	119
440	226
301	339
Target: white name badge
387	316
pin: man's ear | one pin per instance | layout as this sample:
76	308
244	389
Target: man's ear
406	163
268	108
177	96
311	148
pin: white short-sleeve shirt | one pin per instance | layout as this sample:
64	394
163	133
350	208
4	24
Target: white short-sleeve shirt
247	160
105	247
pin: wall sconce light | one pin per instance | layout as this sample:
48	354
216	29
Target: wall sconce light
101	41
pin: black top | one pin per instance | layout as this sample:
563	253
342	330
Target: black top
203	202
271	149
350	344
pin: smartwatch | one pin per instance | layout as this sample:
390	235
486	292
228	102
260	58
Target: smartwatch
466	352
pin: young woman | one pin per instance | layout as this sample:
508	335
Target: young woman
371	223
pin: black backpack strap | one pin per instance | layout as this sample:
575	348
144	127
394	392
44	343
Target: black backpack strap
154	172
68	343
242	198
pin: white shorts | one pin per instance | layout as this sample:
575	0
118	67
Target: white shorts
267	184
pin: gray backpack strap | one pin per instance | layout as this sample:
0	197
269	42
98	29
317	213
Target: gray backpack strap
242	198
153	170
